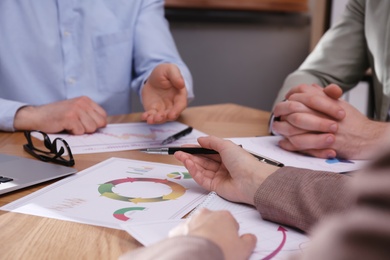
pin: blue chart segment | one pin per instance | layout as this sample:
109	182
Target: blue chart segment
336	160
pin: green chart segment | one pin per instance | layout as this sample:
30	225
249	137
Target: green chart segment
120	213
179	175
106	190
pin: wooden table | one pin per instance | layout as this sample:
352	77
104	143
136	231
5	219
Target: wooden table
30	237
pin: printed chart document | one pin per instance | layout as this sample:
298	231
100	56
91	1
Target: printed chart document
268	147
116	191
128	136
273	240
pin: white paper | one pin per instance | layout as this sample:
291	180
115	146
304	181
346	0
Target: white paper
273	240
268	146
127	136
116	191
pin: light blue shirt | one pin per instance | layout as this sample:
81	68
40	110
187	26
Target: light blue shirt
52	50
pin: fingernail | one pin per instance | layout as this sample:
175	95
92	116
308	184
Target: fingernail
331	155
330	139
341	114
333	128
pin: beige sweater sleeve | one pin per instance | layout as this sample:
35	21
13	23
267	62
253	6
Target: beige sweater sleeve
300	198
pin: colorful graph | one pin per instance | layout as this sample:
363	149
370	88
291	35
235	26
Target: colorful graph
113	192
106	190
140	170
179	175
120	213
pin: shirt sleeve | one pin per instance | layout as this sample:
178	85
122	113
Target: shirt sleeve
340	57
300	197
8	109
154	44
363	232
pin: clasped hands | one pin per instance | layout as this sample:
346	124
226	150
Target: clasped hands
316	121
164	97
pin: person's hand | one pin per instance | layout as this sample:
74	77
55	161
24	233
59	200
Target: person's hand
233	173
76	116
308	119
310	127
164	95
221	228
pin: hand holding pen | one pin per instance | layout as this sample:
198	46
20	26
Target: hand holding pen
200	150
233	174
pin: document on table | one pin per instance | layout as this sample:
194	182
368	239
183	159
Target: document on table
116	191
273	240
128	136
268	147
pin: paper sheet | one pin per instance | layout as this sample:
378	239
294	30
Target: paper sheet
127	136
116	191
268	146
273	240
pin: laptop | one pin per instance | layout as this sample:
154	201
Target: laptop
18	172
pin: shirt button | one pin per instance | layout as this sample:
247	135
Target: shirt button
66	33
71	81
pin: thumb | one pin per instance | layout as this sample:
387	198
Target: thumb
175	77
249	243
333	91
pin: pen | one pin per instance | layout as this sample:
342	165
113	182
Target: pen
200	150
172	150
267	160
178	135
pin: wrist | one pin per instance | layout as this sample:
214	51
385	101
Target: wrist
259	175
382	138
372	141
23	119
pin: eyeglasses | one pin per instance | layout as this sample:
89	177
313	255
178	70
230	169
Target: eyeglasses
40	146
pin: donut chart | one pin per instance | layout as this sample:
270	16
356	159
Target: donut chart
106	190
120	213
179	175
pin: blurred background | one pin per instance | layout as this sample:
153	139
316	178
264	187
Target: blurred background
240	51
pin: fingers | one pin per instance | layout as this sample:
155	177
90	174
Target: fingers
320	103
223	229
311	144
286	129
321	153
179	104
85	116
289	107
216	143
153	116
203	170
300	123
333	91
323	100
173	74
304	88
249	244
164	95
84	124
